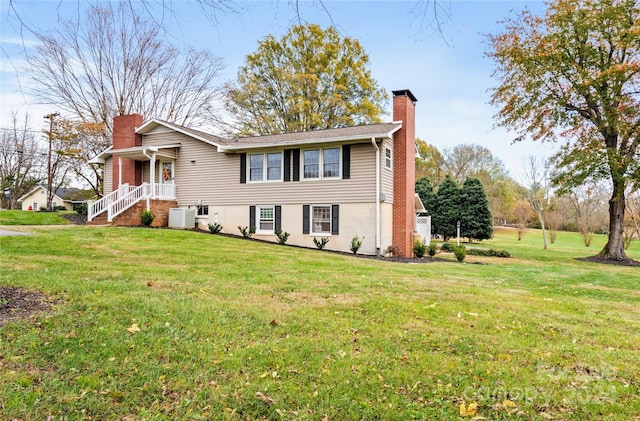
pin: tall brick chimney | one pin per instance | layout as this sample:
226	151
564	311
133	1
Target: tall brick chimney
124	136
404	171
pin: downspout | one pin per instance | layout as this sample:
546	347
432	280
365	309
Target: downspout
378	229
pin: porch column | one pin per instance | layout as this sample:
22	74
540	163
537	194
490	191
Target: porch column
152	175
119	171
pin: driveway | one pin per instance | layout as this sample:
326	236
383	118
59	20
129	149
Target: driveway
8	233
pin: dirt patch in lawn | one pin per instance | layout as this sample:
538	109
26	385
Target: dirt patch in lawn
17	303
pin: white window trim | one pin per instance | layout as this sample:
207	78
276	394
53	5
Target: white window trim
258	220
265	168
311	225
390	167
321	165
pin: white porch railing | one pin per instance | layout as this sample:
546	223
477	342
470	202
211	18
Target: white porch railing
165	191
96	208
126	196
125	202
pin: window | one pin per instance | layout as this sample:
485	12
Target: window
203	210
265	219
320	219
331	162
269	164
314	159
256	167
274	166
387	158
311	166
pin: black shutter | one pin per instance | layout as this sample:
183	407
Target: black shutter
346	162
335	209
243	168
296	165
252	216
278	219
287	165
305	219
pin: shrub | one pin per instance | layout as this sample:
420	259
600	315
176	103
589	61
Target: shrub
247	232
356	243
59	208
320	243
488	253
215	228
432	249
282	236
147	217
81	208
419	248
460	253
447	247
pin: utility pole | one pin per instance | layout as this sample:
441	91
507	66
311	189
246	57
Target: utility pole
50	117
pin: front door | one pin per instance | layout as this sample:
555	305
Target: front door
167	175
166	172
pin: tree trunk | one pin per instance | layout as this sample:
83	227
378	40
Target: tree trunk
614	249
544	231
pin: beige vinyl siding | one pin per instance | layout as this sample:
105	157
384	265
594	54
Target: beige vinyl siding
214	177
108	176
386	174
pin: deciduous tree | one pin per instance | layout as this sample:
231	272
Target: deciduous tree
311	78
112	62
429	162
574	73
21	161
538	190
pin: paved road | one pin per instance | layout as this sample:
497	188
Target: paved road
8	233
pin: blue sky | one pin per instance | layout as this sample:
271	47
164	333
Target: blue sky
448	74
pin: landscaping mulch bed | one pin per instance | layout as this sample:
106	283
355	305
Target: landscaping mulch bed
18	303
604	261
75	218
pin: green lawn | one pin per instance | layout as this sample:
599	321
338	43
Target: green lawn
20	217
164	324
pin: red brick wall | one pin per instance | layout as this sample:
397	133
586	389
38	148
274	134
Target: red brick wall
404	174
131	217
124	136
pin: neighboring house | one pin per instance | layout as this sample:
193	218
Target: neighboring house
336	183
37	198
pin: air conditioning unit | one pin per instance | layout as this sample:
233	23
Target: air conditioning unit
182	218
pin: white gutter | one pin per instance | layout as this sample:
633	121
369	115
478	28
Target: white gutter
378	230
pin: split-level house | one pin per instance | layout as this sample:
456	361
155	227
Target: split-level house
335	183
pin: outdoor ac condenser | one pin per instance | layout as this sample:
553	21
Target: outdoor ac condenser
182	218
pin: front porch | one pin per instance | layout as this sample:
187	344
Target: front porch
140	173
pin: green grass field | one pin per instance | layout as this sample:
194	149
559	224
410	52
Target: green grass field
164	324
20	217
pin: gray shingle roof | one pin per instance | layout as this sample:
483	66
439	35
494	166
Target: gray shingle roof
316	136
365	132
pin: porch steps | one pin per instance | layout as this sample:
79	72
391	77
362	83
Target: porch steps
131	217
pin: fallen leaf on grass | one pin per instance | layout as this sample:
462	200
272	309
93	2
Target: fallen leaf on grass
470	410
264	398
133	328
273	323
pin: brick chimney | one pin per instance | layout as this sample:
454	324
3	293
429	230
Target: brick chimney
124	136
404	171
